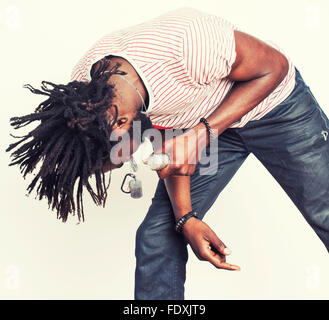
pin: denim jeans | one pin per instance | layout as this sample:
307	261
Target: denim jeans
290	141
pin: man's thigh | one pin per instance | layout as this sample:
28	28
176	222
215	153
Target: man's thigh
211	176
292	143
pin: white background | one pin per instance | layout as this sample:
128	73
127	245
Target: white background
42	258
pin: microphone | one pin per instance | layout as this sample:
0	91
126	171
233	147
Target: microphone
157	161
145	154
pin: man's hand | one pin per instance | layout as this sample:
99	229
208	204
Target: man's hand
206	245
203	241
184	152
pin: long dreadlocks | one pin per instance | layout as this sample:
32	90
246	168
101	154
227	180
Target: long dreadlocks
72	141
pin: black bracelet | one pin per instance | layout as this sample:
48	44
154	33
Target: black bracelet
210	132
180	223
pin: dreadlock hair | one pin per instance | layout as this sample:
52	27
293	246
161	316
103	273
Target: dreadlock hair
72	141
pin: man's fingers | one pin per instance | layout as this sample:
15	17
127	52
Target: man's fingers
217	259
218	262
228	266
165	172
172	169
217	244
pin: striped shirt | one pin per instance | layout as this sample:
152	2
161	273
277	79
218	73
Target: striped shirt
183	57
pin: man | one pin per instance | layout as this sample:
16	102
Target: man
183	70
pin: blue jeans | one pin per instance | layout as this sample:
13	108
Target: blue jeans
290	141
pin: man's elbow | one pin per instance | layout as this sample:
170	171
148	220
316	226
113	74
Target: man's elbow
280	68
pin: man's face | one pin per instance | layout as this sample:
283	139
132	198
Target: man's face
126	106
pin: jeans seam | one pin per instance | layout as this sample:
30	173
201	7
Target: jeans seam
207	194
243	140
174	281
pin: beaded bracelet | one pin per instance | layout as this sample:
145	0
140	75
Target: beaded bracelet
210	132
180	223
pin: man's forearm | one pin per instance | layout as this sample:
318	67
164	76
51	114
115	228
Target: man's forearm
242	98
178	188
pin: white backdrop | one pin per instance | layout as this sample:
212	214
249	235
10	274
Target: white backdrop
42	258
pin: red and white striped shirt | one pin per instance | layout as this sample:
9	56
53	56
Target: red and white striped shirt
183	57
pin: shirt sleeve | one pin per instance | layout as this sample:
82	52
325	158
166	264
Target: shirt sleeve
209	48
